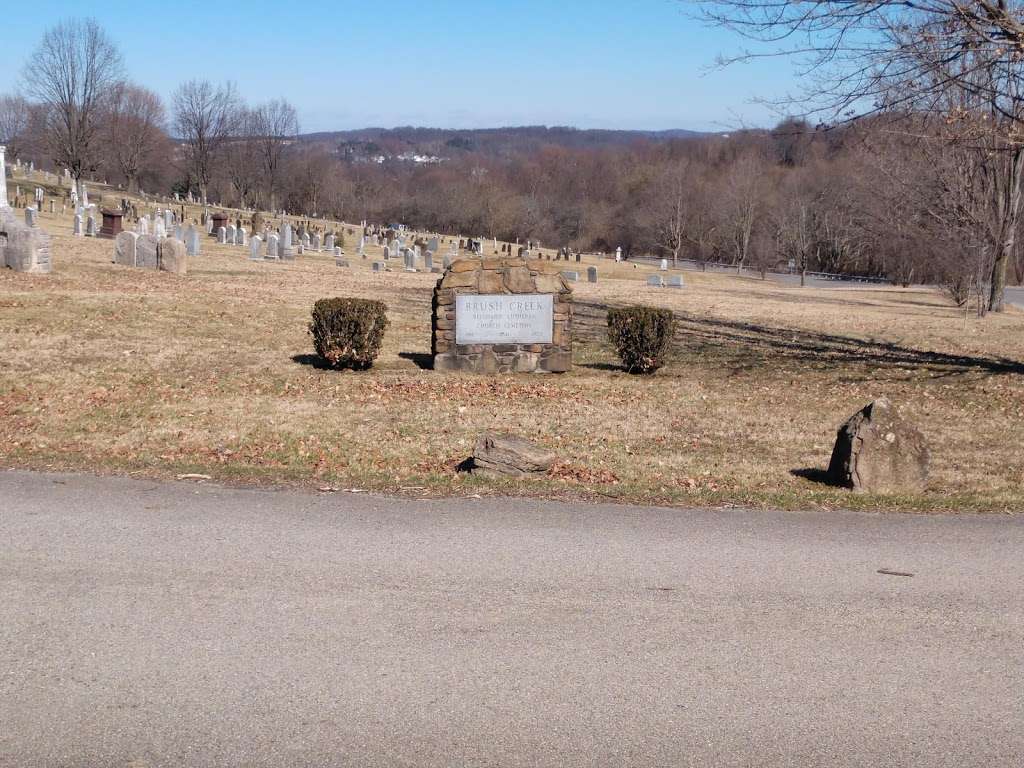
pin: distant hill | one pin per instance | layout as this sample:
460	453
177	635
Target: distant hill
443	143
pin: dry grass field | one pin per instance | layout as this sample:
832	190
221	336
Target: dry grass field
110	369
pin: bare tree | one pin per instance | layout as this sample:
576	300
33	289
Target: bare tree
70	73
275	126
743	206
133	120
205	117
957	61
243	159
669	207
14	123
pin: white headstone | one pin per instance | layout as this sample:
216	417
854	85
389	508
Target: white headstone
254	248
3	179
221	234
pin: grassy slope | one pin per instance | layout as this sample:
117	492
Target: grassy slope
105	368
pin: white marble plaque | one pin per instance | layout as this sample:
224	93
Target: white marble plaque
504	319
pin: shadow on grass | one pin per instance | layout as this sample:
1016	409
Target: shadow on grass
749	345
603	367
423	360
314	361
817	475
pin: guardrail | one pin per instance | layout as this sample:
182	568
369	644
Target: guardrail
723	267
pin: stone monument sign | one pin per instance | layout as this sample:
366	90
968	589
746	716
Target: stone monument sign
502	315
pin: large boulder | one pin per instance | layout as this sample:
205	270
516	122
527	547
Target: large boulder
509	455
877	451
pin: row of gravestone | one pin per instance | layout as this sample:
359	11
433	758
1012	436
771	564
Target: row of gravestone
275	250
150	252
657	281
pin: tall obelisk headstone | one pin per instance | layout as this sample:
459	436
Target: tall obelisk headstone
3	178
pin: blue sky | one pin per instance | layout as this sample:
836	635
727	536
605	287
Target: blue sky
448	63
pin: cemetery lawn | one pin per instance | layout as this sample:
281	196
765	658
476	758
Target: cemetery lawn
110	369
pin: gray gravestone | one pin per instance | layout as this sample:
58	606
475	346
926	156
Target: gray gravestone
591	274
192	241
656	281
675	281
254	248
146	251
286	249
125	245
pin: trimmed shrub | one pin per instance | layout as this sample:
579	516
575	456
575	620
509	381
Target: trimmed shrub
642	336
347	333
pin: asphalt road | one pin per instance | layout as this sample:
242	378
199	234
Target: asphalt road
1015	296
152	624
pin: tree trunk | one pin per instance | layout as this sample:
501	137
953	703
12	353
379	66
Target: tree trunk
1008	230
999	265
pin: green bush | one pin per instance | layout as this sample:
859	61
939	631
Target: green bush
348	333
642	336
